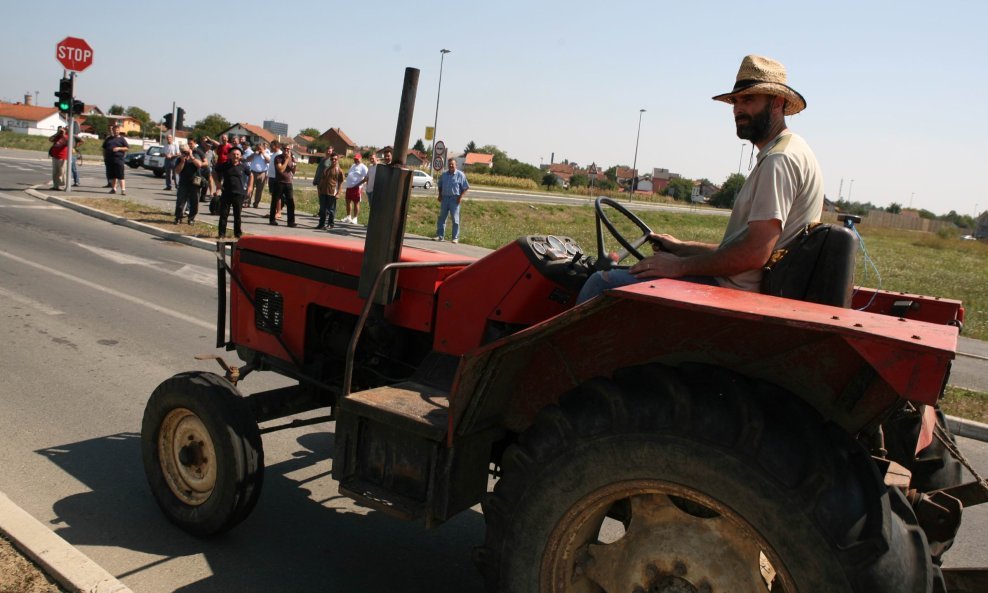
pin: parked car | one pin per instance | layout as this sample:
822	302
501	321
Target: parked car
421	179
154	160
134	160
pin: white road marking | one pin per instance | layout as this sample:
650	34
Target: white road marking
14	198
20	168
115	293
119	258
197	274
18	298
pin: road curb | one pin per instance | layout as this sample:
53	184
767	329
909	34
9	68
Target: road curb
139	226
963	427
58	558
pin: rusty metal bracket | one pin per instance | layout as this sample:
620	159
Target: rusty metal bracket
232	372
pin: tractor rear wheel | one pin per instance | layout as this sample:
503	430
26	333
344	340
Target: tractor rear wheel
694	480
202	452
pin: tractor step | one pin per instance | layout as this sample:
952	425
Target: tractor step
966	580
391	442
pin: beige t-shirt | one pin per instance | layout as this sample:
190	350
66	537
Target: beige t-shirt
787	186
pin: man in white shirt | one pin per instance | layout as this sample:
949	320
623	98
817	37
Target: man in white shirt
355	178
272	175
259	162
171	159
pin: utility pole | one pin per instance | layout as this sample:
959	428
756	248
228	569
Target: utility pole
70	130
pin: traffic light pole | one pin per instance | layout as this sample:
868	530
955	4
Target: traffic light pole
173	119
70	128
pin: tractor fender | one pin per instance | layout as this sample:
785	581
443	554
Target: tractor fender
851	366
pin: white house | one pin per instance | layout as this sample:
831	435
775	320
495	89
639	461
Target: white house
30	119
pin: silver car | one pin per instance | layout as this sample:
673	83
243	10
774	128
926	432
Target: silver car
421	179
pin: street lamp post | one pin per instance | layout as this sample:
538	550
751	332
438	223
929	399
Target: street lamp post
634	165
849	190
435	123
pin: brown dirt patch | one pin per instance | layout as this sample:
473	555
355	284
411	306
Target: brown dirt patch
20	575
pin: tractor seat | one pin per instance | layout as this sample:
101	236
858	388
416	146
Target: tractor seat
815	266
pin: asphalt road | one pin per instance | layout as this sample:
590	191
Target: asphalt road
94	317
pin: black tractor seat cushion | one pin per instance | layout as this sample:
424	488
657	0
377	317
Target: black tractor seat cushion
816	266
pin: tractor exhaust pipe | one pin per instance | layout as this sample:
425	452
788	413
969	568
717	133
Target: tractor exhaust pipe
392	189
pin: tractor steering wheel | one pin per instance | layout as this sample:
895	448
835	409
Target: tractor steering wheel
630	247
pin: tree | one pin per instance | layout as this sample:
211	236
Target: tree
579	180
419	145
99	124
611	174
728	191
116	110
679	188
314	133
318	145
548	180
142	116
211	125
471	147
894	208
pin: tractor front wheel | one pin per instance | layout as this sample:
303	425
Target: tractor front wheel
694	481
202	452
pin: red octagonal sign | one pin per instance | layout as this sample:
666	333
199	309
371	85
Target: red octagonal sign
74	54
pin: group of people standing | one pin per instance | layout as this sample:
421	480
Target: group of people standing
233	173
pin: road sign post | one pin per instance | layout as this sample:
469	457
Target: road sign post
439	155
75	55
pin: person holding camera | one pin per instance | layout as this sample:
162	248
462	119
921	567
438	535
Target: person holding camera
59	153
190	181
284	165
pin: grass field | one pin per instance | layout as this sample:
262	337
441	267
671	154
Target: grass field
907	261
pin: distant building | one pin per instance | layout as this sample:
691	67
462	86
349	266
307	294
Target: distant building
276	127
341	143
30	119
661	178
253	133
416	158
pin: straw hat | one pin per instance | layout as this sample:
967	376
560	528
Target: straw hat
764	76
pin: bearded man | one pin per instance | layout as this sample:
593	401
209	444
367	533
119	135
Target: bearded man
782	195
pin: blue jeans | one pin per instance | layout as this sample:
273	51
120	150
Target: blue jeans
75	171
170	173
598	282
449	205
327	208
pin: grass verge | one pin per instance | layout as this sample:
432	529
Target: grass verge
965	403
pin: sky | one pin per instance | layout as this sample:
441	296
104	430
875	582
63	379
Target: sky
892	88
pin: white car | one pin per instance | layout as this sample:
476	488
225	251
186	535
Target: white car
421	179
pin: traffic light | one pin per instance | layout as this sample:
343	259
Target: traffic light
179	119
168	120
78	107
64	95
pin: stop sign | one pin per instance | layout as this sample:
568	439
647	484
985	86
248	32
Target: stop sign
74	54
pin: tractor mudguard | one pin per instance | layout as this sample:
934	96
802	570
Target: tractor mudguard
851	366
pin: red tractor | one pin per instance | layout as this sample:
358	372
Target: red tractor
663	437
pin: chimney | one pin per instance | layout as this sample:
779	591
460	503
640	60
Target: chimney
28	99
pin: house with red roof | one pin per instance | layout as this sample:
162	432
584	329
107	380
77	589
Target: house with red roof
341	143
30	119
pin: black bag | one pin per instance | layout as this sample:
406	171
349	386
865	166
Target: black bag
214	205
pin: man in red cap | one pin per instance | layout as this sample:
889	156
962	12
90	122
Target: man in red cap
355	178
782	194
